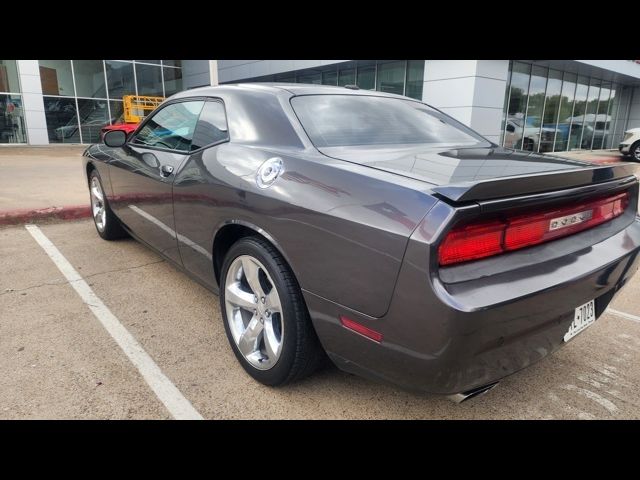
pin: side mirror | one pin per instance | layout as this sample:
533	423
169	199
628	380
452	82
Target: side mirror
115	138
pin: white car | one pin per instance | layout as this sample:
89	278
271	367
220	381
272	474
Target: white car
630	144
531	136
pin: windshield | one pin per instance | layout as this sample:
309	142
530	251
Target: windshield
348	120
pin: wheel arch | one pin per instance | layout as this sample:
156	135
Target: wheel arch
88	168
229	232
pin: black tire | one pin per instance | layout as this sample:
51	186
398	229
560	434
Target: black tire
527	144
634	151
301	352
112	229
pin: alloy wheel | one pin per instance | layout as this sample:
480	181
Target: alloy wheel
254	312
97	204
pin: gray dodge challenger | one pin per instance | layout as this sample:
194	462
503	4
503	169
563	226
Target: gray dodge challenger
369	229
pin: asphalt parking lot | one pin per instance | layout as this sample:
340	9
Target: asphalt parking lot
58	361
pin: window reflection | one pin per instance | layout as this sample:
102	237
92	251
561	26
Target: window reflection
149	78
120	80
62	120
566	111
551	108
391	77
172	81
93	115
172	127
89	76
548	110
401	77
9	77
12	126
56	78
514	128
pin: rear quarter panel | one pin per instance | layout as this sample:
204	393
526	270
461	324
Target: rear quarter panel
342	228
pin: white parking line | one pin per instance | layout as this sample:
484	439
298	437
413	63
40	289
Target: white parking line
177	405
628	316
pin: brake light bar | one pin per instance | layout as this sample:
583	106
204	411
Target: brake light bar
487	238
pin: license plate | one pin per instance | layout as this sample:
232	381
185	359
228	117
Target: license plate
584	316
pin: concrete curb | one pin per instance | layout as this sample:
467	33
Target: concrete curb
70	212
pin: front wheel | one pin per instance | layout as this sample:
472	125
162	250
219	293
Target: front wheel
107	224
265	317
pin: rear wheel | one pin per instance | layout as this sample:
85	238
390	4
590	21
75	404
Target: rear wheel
107	224
265	317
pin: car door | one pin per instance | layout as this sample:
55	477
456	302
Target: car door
198	195
144	170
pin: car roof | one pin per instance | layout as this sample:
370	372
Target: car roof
280	88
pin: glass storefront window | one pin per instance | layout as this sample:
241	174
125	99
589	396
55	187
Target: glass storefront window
9	77
172	81
402	77
566	111
533	120
89	76
117	111
12	126
149	78
390	78
346	74
415	79
120	80
579	109
93	115
612	112
551	108
56	78
602	120
366	75
309	76
518	93
285	78
588	121
62	120
579	112
89	102
330	76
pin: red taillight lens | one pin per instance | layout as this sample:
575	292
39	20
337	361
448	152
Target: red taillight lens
484	239
472	242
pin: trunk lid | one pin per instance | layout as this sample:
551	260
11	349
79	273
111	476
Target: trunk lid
476	174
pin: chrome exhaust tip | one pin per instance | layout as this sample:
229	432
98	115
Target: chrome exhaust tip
476	392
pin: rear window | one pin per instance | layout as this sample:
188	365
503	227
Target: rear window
345	120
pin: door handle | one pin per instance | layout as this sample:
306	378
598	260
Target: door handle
166	170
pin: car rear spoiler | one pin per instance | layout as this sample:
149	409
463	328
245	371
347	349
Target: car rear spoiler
535	183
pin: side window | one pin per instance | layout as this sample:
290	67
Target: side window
212	126
172	127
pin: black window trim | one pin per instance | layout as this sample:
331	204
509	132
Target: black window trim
130	141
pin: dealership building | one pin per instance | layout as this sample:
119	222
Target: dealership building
534	105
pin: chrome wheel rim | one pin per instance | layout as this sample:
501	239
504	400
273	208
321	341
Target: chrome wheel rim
636	153
97	204
254	312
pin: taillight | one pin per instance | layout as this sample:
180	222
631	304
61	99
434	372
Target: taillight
484	239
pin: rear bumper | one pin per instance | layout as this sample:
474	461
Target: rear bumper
624	147
449	340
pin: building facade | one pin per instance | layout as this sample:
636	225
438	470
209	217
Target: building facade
541	105
68	101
